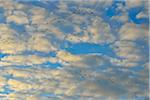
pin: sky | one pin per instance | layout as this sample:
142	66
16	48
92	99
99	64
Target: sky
74	50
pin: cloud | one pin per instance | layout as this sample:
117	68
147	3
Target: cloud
122	18
2	83
63	6
134	3
129	53
130	31
90	61
38	42
67	57
141	15
27	60
19	19
84	76
100	31
96	32
18	86
9	43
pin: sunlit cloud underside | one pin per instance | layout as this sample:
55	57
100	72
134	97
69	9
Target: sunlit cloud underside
74	50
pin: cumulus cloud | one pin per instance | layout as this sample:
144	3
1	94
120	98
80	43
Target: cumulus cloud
129	53
19	19
135	3
65	56
25	60
131	31
97	32
39	42
9	43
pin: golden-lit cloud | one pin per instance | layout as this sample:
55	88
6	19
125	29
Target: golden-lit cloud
66	56
134	3
38	42
18	86
25	60
9	43
129	53
131	31
97	32
19	19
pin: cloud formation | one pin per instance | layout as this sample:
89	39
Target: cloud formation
36	64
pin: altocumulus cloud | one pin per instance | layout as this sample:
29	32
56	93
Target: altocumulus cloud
37	63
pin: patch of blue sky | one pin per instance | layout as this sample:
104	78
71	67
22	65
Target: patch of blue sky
2	10
109	12
133	13
48	5
89	48
17	27
38	53
8	76
22	66
143	46
136	68
50	65
3	55
112	10
141	98
2	17
49	95
7	90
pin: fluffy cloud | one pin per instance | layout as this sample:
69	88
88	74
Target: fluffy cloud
28	60
135	3
19	19
38	42
67	57
131	31
9	43
96	32
129	53
18	86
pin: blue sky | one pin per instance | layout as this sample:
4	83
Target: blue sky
53	50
